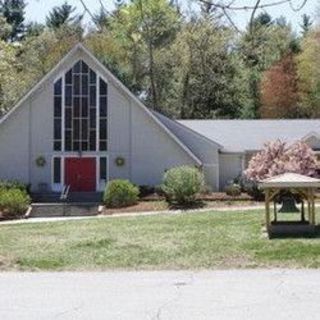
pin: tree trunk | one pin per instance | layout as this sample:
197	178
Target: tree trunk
152	79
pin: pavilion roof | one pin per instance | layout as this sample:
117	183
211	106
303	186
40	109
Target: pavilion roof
290	180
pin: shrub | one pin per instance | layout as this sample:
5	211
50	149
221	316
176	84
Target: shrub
13	202
182	184
233	190
14	184
120	193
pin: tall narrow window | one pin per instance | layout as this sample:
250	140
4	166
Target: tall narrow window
80	108
57	115
103	168
56	170
103	111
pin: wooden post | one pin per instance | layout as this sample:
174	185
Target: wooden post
313	207
303	218
275	211
267	208
309	205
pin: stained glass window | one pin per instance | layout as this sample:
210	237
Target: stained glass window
82	99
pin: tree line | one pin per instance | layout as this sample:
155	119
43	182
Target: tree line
184	63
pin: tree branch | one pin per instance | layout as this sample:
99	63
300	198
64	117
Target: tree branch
225	12
226	7
86	9
252	15
103	6
260	6
299	7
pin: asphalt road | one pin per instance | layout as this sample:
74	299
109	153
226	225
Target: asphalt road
247	294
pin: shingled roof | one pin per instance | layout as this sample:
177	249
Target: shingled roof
246	135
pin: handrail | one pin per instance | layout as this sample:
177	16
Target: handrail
64	197
62	192
65	192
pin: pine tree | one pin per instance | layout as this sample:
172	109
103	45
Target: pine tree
306	24
13	11
61	16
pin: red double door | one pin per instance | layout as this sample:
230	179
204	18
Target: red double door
80	174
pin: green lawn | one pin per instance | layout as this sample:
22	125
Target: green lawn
206	240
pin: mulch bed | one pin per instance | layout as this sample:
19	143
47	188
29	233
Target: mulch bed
214	196
155	202
4	216
221	196
141	206
149	206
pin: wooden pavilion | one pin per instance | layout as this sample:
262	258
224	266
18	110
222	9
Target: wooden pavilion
297	190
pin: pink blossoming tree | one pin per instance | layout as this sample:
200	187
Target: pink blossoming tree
277	157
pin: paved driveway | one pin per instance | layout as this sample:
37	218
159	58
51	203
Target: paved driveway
262	294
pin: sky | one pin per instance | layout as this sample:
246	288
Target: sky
37	10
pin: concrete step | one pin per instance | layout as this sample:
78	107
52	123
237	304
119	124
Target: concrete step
45	210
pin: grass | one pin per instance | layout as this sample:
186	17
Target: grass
189	241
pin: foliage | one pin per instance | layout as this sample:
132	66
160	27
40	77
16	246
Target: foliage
277	157
120	193
26	64
233	190
208	80
41	52
62	15
13	202
264	43
141	29
34	29
13	11
5	28
182	184
14	184
9	74
309	74
279	90
184	63
306	24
